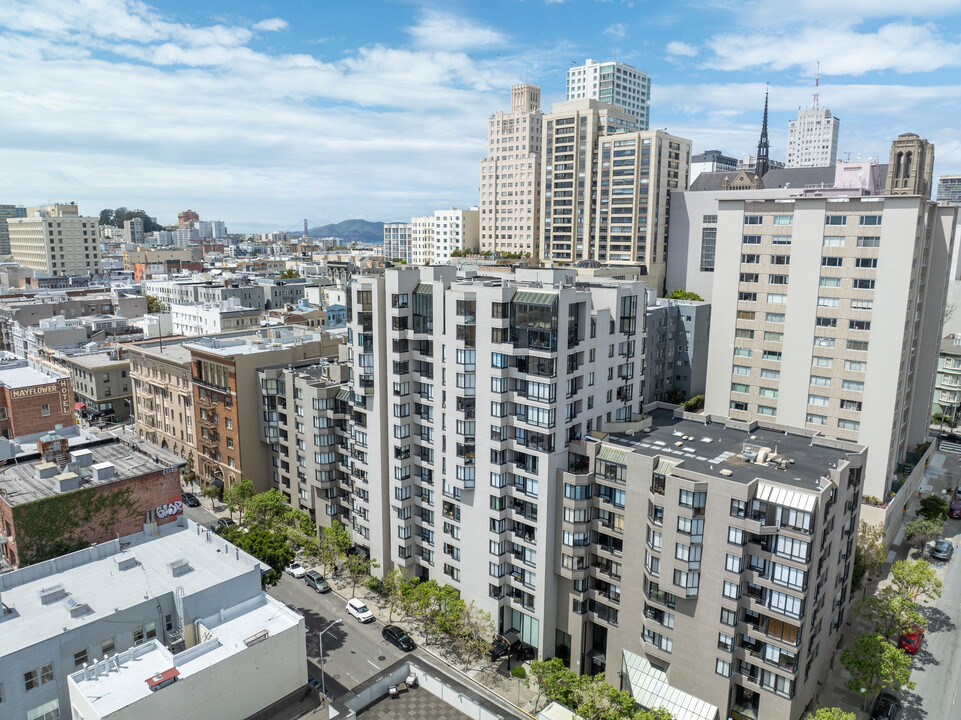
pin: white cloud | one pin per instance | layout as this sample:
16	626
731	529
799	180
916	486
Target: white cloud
898	47
676	47
617	31
271	25
443	31
843	13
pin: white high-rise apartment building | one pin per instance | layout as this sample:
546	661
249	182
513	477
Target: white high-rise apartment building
827	312
812	139
434	237
607	188
613	82
56	240
467	395
510	174
397	242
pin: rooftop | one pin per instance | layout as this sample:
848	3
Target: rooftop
21	482
21	377
121	681
720	445
95	361
254	342
113	577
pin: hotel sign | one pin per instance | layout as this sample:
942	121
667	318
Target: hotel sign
33	391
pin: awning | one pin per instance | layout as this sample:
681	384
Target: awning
649	687
785	497
343	394
664	467
424	288
534	298
609	454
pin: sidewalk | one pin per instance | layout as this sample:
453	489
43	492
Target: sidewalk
488	676
942	474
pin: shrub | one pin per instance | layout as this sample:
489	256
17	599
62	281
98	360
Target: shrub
693	404
518	671
933	508
375	585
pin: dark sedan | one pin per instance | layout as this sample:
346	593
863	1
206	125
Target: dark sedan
225	522
190	500
954	509
886	707
398	636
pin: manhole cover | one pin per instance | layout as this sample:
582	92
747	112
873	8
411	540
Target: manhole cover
381	657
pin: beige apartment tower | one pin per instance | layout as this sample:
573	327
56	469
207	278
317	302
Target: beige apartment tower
510	174
607	188
56	240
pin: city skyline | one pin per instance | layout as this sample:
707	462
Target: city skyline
262	115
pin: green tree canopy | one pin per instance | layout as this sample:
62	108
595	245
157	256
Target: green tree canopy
869	553
875	665
289	274
268	547
832	713
237	495
333	546
154	305
119	216
920	531
933	508
680	294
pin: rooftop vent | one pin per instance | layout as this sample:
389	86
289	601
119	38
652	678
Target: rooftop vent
65	482
83	457
104	471
727	473
51	594
76	609
126	561
46	470
180	567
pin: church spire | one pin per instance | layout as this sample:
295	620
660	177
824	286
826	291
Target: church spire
762	165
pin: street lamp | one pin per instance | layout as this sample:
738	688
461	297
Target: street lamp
320	639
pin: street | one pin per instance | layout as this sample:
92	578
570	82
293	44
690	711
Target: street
937	666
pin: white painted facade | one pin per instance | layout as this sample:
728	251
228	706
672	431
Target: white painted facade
612	82
812	139
210	318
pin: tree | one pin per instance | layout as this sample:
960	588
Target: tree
238	495
188	474
869	553
473	632
410	595
268	547
289	274
212	492
555	681
398	261
889	613
831	714
875	664
679	294
393	587
359	566
267	509
933	508
600	701
656	714
333	546
913	579
921	531
154	305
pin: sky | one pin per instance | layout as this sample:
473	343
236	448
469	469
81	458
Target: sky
263	113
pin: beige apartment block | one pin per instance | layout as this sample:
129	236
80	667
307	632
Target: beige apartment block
56	240
435	238
827	312
607	188
163	395
510	175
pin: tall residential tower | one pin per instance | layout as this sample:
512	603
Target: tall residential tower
613	82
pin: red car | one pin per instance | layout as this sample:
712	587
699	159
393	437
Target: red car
910	641
954	509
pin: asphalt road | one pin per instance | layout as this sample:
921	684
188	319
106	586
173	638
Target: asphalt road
353	651
937	666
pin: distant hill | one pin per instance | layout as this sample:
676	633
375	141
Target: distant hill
362	231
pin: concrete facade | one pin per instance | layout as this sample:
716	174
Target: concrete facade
434	237
613	82
812	139
510	175
675	358
55	244
212	318
163	395
397	242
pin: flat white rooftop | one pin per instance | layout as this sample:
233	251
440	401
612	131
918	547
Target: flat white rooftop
22	377
39	601
121	680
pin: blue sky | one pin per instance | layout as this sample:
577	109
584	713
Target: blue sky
264	113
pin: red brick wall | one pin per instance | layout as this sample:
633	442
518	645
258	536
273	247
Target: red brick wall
147	494
25	408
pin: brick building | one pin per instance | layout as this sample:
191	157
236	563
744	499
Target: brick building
65	491
33	401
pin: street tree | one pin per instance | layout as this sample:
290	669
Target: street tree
875	665
268	509
188	474
393	587
211	492
889	613
555	681
657	714
869	553
920	531
597	700
237	496
358	567
473	632
333	547
832	713
933	507
915	579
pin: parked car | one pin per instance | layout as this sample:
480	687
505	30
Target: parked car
943	549
295	570
954	509
359	610
317	581
886	707
398	636
225	522
499	648
190	500
957	493
910	641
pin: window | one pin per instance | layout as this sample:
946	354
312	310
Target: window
767	392
828	302
833	241
819	380
863	284
848	425
826	322
869	220
732	590
747	296
776	298
777	279
749	277
728	617
791	577
817	419
832	262
857	345
784	603
830	282
823	341
47	711
740	388
45	409
770	374
733	563
770	336
723	668
862	304
835	219
753	219
738	509
142	634
500	360
780	259
741	370
855	365
725	642
863	262
751	239
859	324
774	355
781	240
792	549
35	678
708	248
819	400
823	362
743	352
738	405
79	658
750	259
107	646
774	317
783	219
